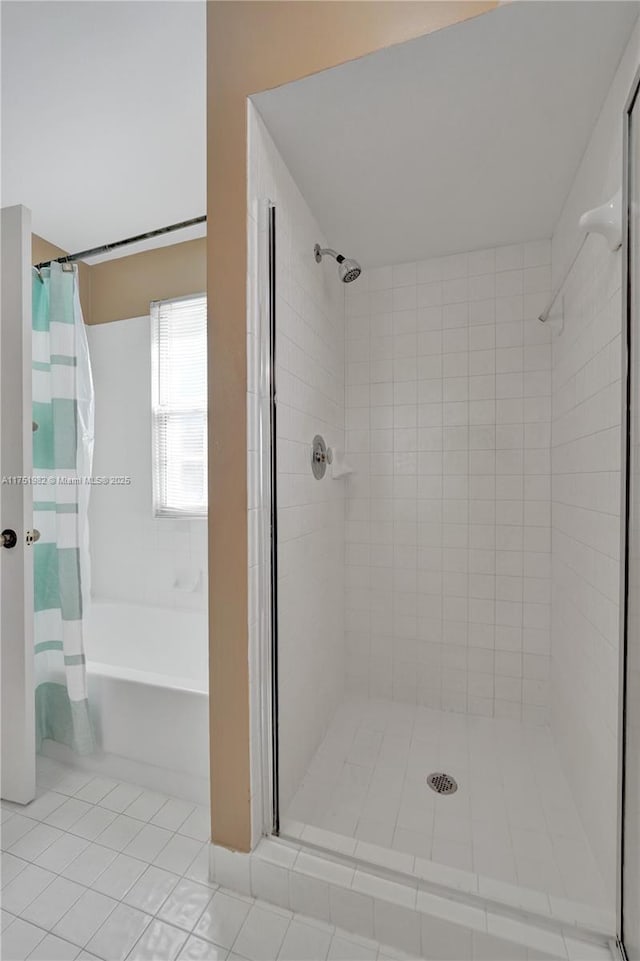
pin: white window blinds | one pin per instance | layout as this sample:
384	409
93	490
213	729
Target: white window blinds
179	406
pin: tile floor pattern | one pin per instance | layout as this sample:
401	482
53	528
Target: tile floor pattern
513	817
94	868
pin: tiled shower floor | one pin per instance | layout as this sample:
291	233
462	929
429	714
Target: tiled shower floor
512	818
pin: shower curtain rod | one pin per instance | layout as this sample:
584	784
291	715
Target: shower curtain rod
106	248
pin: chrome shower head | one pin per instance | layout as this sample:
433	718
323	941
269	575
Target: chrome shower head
348	269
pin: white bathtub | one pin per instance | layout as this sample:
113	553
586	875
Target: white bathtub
148	696
159	646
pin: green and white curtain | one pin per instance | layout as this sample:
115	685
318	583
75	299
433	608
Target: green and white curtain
62	455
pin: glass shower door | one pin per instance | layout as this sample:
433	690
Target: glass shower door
631	797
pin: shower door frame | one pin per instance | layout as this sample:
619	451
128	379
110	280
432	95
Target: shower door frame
627	386
273	523
264	643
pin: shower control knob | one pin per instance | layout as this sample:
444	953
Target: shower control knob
319	457
33	536
9	538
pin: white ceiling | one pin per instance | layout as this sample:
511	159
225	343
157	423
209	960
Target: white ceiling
103	116
462	139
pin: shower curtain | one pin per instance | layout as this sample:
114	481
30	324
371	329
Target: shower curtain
62	455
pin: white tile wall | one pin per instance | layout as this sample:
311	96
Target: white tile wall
310	390
586	540
586	486
134	556
448	514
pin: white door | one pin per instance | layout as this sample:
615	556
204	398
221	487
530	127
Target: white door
17	771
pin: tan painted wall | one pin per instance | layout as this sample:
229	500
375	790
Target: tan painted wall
253	46
124	287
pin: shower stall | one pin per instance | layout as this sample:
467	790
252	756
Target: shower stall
436	452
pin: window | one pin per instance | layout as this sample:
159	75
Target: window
179	406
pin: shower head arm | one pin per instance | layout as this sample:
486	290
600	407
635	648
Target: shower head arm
348	269
321	251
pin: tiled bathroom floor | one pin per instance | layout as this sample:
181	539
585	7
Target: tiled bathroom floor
99	869
512	818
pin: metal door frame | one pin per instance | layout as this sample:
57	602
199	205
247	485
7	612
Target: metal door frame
627	387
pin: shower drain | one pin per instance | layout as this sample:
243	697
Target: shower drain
442	783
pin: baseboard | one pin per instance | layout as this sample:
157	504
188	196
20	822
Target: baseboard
178	784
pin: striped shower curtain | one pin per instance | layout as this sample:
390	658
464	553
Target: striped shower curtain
62	455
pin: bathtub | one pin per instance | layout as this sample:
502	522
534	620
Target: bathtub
162	647
148	695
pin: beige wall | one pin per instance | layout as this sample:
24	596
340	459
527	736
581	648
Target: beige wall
124	287
253	46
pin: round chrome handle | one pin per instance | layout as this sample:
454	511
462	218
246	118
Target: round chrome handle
318	457
9	538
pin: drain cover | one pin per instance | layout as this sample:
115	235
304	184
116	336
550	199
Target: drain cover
442	783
